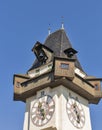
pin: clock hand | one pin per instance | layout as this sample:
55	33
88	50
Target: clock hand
39	105
41	110
76	112
42	114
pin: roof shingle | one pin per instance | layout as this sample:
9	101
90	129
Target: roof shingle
58	42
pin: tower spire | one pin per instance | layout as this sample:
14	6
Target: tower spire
49	30
62	23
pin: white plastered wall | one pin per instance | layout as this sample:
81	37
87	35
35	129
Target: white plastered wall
60	119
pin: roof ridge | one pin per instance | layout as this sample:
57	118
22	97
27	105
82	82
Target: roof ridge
61	42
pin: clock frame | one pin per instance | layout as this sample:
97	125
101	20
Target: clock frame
75	112
42	110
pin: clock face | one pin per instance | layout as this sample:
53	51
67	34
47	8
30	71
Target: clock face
75	113
42	110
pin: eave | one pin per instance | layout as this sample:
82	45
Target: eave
82	87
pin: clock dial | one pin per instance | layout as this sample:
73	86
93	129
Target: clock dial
75	113
42	110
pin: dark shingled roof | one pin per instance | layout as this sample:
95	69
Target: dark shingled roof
58	42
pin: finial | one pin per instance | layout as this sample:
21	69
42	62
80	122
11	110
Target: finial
49	30
62	23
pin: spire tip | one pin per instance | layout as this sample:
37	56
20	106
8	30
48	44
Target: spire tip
62	23
49	30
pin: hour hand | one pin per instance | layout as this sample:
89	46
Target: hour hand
78	118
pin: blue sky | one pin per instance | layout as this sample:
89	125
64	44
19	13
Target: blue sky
23	22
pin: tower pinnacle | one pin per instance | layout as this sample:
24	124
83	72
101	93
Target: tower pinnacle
62	23
49	30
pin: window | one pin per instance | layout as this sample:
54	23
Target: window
96	87
42	93
18	84
50	66
64	66
37	71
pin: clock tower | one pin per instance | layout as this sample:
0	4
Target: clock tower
56	89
